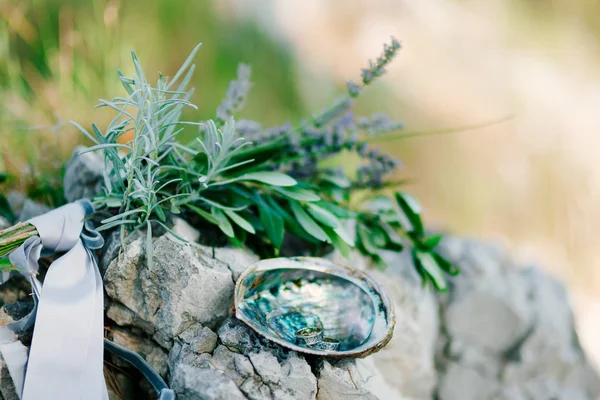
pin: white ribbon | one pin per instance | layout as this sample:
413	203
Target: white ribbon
66	355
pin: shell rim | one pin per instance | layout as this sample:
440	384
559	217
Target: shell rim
321	264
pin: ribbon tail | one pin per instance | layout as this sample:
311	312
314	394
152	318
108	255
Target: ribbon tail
66	355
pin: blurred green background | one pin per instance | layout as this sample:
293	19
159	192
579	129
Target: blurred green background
532	184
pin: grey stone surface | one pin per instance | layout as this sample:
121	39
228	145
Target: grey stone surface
25	208
4	223
237	260
341	382
32	209
258	369
184	286
110	250
16	200
501	332
507	332
83	175
200	338
7	388
407	362
150	351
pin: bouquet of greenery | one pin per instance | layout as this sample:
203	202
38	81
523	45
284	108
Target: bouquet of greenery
259	187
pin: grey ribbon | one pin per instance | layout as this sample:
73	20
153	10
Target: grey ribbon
48	375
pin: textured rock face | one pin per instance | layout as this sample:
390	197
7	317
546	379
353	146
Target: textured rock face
501	332
83	175
184	286
244	366
25	208
507	332
407	362
7	388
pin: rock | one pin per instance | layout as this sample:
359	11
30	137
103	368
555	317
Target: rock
200	338
184	286
488	304
16	200
4	223
237	260
501	332
507	332
110	250
14	311
276	372
7	387
83	175
17	288
193	376
407	362
341	382
32	209
185	230
261	370
237	336
25	208
549	362
150	351
465	383
191	383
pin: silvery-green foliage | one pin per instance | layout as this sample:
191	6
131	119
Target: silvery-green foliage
255	185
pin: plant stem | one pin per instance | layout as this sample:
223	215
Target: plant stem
403	135
11	238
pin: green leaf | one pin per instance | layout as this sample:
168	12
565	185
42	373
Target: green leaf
298	194
337	180
161	214
207	216
241	222
127	83
431	242
307	223
379	262
223	222
379	236
3	177
5	264
337	210
395	242
420	270
6	210
184	66
272	178
323	216
446	265
428	263
202	160
365	239
273	224
343	233
290	222
122	216
338	242
412	210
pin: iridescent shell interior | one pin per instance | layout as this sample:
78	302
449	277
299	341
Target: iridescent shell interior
278	297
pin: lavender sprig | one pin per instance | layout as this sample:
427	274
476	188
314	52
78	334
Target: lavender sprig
236	95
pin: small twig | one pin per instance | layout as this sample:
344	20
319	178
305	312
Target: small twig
352	378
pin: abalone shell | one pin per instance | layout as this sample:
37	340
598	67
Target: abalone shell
280	296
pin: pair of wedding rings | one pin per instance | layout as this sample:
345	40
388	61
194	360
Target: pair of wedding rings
313	338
